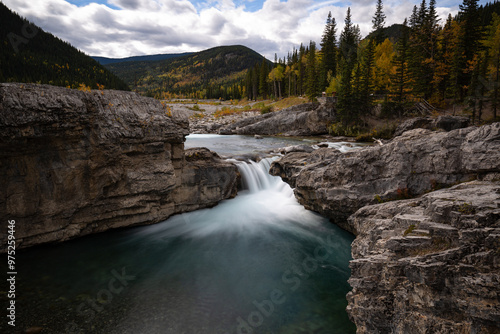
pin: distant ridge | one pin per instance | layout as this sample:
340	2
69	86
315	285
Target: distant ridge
31	55
106	61
218	72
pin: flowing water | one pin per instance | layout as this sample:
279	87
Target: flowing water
258	263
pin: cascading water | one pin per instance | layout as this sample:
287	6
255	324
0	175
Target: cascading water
259	263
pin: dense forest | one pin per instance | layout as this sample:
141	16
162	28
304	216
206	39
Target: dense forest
28	54
106	61
214	73
442	64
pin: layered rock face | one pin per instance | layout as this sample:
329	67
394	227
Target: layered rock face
337	184
74	163
446	123
307	119
428	265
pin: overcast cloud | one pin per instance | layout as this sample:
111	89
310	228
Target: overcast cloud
123	28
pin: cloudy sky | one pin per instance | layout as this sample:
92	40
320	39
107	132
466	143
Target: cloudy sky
123	28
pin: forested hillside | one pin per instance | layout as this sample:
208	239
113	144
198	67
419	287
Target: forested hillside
28	54
106	61
451	63
214	73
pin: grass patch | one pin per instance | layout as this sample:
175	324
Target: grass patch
466	209
266	109
227	111
437	245
409	230
196	108
379	132
288	102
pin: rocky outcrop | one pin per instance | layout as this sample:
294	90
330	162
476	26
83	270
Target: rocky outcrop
307	119
337	184
74	163
428	265
443	122
205	177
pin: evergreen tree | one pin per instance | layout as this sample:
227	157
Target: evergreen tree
301	70
378	23
400	61
366	82
263	75
444	59
312	89
492	42
329	51
346	105
468	45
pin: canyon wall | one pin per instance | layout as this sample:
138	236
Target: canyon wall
74	163
427	258
337	184
430	264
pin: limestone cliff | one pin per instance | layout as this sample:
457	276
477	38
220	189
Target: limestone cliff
74	163
428	265
337	184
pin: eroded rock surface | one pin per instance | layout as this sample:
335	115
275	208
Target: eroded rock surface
428	265
337	184
444	122
306	119
74	163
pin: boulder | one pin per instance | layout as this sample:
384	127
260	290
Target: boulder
74	163
337	184
428	265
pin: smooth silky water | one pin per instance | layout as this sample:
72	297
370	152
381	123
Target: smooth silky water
258	263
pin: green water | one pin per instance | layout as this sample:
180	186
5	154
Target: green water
258	263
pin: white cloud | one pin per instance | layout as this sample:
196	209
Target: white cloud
140	27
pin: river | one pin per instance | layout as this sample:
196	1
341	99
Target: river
259	263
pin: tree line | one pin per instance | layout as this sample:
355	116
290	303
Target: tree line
455	62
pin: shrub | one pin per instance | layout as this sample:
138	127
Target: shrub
196	108
339	129
266	109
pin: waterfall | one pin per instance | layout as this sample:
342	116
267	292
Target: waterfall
255	177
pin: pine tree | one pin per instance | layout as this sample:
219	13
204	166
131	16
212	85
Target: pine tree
492	42
346	105
378	23
312	73
366	83
400	61
468	45
328	51
263	74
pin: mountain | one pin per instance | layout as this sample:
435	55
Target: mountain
106	61
392	32
213	73
29	54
